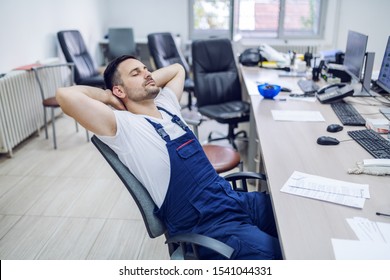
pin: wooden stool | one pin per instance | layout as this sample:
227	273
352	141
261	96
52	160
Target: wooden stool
222	158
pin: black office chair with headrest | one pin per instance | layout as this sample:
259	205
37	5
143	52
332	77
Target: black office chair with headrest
164	52
121	42
75	51
217	85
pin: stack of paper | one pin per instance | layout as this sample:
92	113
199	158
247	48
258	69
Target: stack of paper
340	192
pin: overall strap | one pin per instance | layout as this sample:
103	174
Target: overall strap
160	130
175	119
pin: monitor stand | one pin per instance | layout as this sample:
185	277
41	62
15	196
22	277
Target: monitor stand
366	83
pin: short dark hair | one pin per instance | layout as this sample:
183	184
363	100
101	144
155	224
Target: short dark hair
111	75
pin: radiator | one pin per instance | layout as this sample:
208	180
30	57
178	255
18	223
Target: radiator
21	110
301	49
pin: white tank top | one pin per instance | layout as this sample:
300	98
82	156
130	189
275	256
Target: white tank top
142	150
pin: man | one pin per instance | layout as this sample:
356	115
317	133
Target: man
150	138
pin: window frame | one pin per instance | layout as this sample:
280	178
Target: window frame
206	34
231	33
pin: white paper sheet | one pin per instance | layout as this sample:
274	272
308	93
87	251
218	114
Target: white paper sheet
321	188
360	250
366	230
373	243
297	116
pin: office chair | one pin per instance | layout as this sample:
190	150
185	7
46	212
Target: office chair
177	245
164	52
217	86
49	78
121	42
75	51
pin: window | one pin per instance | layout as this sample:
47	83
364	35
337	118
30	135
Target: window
210	18
280	19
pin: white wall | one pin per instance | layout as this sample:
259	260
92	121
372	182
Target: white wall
28	27
148	16
370	17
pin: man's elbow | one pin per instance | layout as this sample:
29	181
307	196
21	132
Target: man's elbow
60	94
180	67
180	70
64	98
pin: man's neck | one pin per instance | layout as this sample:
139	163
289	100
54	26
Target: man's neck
148	108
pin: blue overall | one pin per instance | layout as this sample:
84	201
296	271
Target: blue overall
199	200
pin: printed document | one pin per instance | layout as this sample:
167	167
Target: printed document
326	189
373	243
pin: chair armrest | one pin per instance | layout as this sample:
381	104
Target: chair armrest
195	240
243	176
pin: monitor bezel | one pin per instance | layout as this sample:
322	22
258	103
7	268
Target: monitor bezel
379	81
351	45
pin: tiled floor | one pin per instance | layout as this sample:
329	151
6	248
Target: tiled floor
69	204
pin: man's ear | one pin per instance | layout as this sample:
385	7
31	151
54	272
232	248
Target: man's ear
118	92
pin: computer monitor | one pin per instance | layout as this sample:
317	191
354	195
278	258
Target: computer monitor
354	54
384	73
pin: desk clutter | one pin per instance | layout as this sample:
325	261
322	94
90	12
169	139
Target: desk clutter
378	167
302	173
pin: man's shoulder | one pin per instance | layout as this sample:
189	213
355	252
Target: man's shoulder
167	96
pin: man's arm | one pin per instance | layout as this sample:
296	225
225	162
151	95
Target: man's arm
171	76
88	106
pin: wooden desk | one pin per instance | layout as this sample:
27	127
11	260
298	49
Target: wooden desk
305	225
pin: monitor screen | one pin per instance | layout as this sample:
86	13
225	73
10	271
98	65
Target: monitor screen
354	54
384	73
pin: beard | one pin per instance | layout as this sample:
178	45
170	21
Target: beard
153	91
141	94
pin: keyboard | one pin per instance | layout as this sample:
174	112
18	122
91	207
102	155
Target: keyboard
347	114
308	86
375	144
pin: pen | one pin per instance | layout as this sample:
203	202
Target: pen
382	214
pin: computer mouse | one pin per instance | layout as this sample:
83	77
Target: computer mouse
334	128
284	89
327	140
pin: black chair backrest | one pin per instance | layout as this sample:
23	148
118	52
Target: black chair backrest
75	50
140	195
164	51
215	72
120	42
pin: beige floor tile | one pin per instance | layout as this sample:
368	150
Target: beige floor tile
8	182
19	199
72	240
6	223
27	237
97	200
119	239
59	197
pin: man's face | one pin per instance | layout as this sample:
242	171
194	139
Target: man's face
138	83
